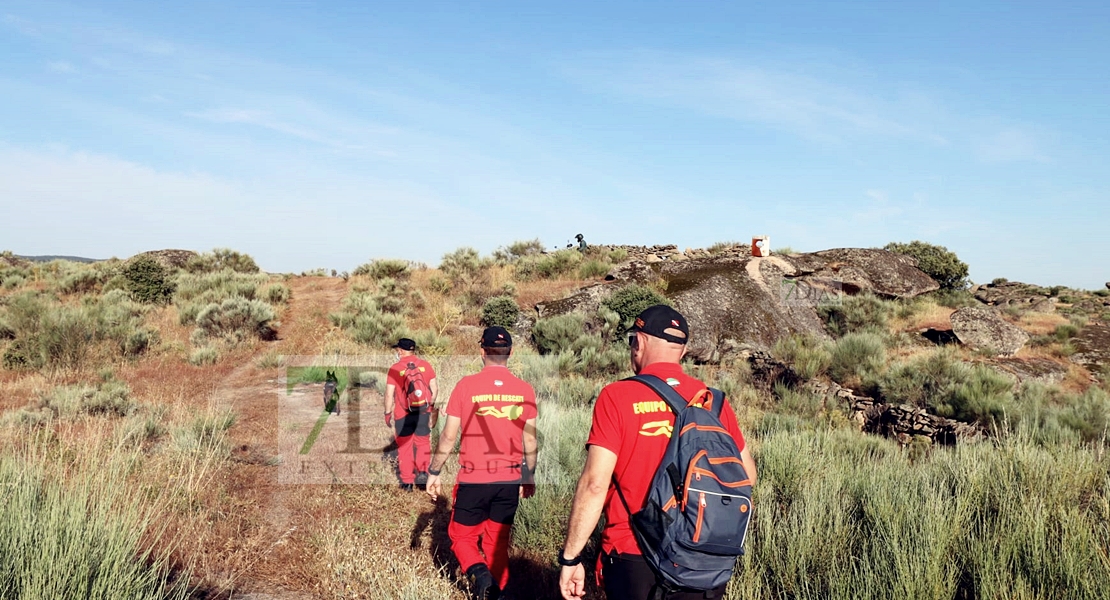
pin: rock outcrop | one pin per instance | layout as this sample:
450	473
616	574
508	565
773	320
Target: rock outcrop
1041	370
735	301
903	422
1015	294
1092	345
983	328
899	421
173	259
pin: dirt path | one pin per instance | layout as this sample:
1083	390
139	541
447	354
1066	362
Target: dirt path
268	539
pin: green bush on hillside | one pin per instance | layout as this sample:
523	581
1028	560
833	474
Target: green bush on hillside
631	300
501	311
148	281
517	250
110	398
553	335
547	266
234	320
855	357
221	259
385	267
937	262
949	387
462	265
856	314
809	356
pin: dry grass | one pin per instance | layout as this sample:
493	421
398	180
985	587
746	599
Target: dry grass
1037	323
929	316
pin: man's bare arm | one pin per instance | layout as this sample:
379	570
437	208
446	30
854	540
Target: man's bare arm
749	464
447	439
530	446
589	498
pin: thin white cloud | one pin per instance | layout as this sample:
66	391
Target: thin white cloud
1009	145
786	97
60	66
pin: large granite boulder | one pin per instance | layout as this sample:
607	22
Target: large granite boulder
1092	345
983	328
866	270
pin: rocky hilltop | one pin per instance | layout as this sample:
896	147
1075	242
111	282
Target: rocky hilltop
734	300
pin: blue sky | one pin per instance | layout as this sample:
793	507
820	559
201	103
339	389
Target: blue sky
325	134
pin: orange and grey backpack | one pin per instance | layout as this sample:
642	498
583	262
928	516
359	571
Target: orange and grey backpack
695	518
416	390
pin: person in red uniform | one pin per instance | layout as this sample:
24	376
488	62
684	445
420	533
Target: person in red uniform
630	432
411	427
496	414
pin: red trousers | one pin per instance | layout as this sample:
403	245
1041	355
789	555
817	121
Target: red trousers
413	455
414	451
481	526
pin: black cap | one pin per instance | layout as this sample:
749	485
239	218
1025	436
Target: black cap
496	337
405	344
663	322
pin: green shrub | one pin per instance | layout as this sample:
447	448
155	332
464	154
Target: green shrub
276	293
138	342
617	255
856	356
557	334
110	398
12	282
235	320
439	285
1089	414
517	250
593	268
1065	332
798	402
148	281
217	286
205	355
856	314
221	259
84	532
937	262
810	357
431	343
999	281
501	311
631	300
206	433
950	388
82	281
547	266
385	267
464	264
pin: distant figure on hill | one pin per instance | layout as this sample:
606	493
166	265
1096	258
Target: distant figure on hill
581	243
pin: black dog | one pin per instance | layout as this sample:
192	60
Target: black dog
331	393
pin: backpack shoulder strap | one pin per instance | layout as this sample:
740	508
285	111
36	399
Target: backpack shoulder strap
664	391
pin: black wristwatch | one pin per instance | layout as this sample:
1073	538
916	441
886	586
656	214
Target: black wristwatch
432	472
569	562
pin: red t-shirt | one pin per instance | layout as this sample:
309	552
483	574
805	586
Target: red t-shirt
631	420
396	378
493	405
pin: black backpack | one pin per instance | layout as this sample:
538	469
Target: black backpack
695	517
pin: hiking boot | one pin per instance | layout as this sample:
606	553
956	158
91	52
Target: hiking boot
482	586
407	487
422	481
